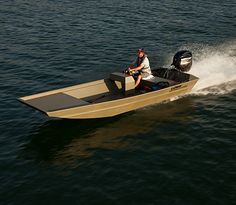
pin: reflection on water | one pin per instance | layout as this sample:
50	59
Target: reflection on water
61	141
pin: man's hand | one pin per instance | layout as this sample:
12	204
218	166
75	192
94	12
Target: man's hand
131	70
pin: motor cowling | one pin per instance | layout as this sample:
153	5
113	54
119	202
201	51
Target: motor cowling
182	60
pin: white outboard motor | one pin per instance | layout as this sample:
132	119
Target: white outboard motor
182	61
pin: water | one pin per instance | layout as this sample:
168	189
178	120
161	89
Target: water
181	152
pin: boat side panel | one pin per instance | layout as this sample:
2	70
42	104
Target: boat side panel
99	88
108	109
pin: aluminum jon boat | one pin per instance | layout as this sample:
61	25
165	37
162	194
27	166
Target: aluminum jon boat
116	94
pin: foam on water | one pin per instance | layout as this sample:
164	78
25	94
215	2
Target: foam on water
215	67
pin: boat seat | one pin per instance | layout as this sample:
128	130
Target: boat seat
154	80
127	82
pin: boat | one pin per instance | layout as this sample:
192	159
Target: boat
116	94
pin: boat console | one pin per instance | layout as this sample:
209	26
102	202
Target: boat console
123	81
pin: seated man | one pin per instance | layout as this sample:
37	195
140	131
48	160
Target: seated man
142	69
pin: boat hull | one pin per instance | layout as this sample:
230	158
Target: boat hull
81	109
116	107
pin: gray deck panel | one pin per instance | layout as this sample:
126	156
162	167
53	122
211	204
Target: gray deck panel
55	102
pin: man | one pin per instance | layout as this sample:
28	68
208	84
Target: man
142	68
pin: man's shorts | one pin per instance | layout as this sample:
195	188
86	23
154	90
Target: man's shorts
145	75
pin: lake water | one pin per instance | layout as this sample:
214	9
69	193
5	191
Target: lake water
181	152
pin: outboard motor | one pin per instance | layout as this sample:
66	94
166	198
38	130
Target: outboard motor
182	61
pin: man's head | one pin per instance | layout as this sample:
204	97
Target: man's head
141	52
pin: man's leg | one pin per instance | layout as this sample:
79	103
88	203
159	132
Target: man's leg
138	80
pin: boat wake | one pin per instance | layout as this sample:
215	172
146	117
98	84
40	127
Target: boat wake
216	68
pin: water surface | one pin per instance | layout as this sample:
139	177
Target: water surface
181	152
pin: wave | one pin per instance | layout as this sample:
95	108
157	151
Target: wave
215	66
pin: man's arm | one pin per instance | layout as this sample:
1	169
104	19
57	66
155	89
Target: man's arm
137	68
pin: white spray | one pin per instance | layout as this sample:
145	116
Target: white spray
215	67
